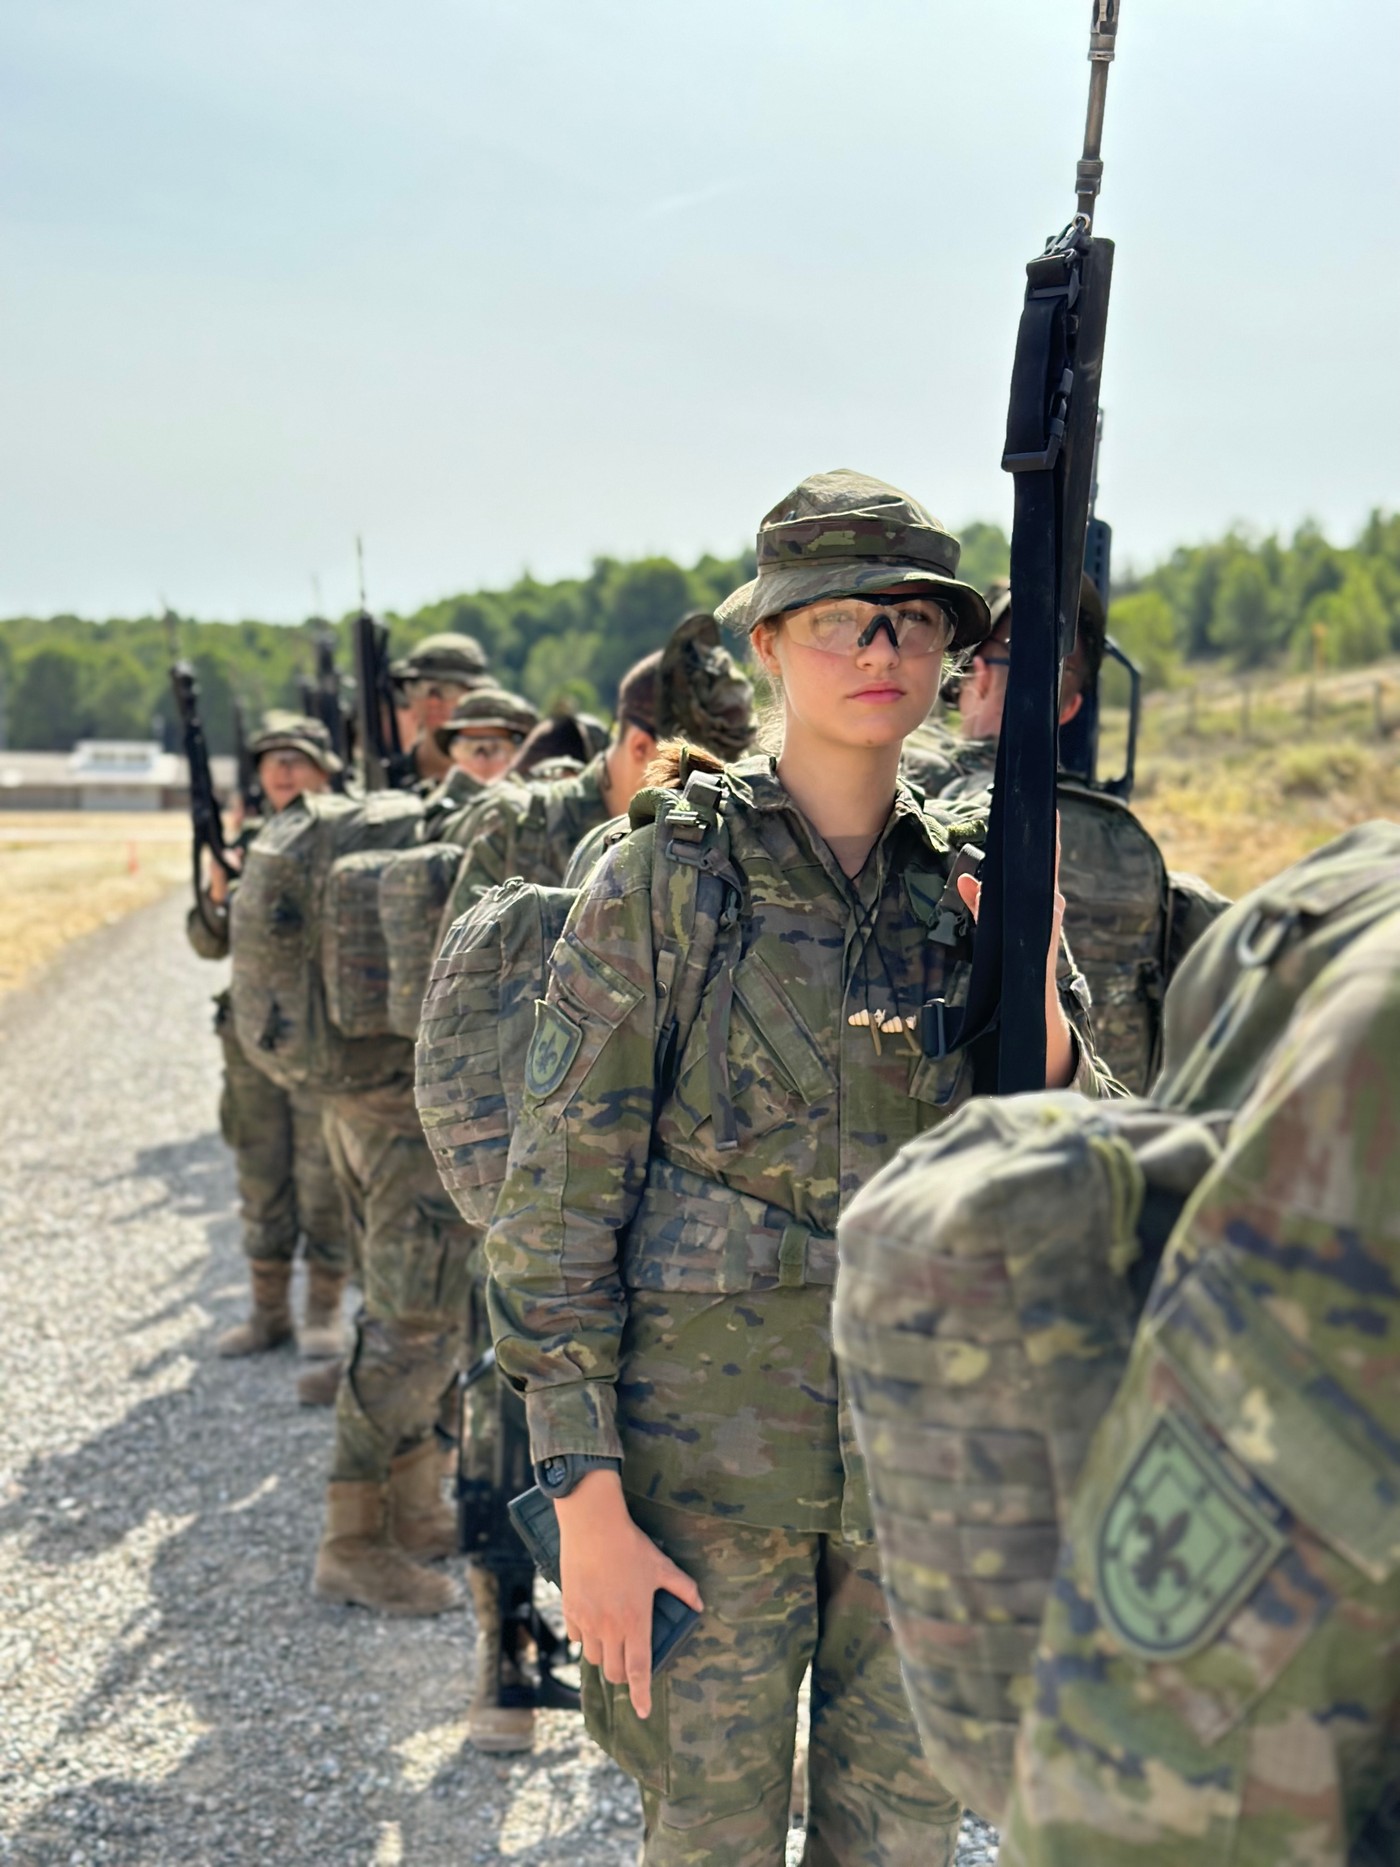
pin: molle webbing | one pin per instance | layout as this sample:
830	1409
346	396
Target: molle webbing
696	1235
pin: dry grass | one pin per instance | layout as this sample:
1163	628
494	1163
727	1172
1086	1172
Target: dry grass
1237	809
64	873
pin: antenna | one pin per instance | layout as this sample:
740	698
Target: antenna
360	567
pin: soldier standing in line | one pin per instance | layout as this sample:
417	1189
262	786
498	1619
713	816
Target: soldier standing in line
1130	922
285	1184
691	690
662	1255
1218	1674
432	678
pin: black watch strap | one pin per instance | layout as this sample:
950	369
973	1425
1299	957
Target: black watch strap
558	1476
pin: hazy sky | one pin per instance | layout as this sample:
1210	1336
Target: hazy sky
509	283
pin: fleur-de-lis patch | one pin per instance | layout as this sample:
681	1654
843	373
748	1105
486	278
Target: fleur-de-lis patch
553	1048
1181	1544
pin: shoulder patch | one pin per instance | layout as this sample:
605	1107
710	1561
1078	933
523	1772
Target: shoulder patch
553	1048
1180	1545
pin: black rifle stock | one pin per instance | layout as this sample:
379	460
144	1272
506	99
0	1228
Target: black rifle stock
381	751
1051	430
205	816
487	1480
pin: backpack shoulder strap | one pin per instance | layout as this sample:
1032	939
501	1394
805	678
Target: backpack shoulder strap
696	898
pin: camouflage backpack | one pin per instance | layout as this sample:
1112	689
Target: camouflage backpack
1237	987
310	967
1118	923
479	1013
413	890
991	1280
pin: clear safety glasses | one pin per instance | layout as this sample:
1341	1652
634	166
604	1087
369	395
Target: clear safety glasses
846	624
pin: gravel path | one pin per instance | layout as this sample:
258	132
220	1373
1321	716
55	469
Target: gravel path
169	1691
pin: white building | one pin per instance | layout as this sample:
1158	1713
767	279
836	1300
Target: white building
103	774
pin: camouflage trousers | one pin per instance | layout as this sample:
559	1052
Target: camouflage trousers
715	1759
286	1188
415	1256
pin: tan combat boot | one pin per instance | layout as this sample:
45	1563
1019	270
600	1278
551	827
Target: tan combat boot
321	1337
420	1522
319	1384
270	1320
357	1563
492	1726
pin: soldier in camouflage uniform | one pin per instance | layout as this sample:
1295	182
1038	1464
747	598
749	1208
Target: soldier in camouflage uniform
1218	1679
481	739
285	1184
662	1255
690	689
1130	922
431	679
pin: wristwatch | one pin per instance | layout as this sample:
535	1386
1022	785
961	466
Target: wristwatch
558	1476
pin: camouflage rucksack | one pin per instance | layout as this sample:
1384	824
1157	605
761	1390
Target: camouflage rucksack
478	1015
310	968
413	891
990	1282
1118	923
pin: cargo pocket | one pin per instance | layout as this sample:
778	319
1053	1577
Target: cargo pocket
770	1067
641	1749
1245	1510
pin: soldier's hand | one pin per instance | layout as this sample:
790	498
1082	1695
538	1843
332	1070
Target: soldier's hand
610	1573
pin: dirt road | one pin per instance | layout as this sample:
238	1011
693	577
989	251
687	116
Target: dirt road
169	1691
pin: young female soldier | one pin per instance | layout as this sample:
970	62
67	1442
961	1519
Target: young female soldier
662	1256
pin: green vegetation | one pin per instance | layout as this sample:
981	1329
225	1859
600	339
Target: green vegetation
1239	604
1248	603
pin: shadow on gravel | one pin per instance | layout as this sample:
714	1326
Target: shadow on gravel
222	1715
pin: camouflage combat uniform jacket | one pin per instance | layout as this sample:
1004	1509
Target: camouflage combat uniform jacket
662	1258
1218	1679
525	830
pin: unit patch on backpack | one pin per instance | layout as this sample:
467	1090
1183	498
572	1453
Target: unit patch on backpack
552	1049
1180	1546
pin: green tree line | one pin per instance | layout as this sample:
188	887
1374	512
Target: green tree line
1244	601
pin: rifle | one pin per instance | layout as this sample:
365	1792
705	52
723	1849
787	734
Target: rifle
1051	427
205	816
249	785
385	764
1079	737
488	1477
321	699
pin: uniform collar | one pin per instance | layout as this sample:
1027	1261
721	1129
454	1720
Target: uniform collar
754	781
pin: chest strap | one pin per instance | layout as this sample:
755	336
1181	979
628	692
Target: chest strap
695	1235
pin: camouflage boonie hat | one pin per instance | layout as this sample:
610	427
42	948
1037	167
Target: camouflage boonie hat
444	658
295	732
843	533
487	710
703	696
560	745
